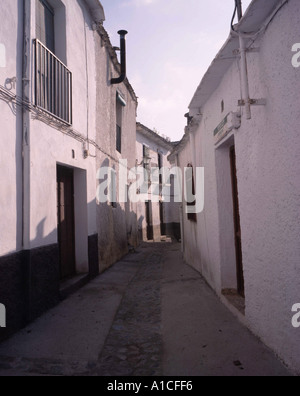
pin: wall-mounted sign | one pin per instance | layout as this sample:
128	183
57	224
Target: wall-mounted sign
2	55
230	122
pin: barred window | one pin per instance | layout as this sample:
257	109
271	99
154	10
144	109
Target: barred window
52	79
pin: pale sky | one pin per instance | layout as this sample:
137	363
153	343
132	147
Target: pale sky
170	45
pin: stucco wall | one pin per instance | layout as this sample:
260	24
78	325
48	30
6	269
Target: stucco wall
170	209
116	226
53	143
10	129
271	223
267	150
49	146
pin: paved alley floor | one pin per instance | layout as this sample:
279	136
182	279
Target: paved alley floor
148	315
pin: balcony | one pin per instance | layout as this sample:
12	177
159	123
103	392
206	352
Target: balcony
52	84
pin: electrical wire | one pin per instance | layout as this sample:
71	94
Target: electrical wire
254	35
38	114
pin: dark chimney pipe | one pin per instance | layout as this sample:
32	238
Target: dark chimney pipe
239	9
122	77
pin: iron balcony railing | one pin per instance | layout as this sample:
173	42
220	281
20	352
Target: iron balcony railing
53	84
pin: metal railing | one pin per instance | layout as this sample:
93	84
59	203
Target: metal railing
53	84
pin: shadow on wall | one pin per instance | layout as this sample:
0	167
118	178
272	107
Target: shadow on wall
117	228
29	282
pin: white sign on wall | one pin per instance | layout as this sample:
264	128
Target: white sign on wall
230	122
2	55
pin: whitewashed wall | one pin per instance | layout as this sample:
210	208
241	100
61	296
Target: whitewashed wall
170	209
11	130
117	227
49	146
268	166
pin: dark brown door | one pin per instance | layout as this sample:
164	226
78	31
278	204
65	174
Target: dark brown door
149	221
65	214
237	225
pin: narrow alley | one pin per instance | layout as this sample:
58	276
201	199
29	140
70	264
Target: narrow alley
148	315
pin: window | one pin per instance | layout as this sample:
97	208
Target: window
160	165
146	162
191	182
45	24
120	103
53	80
51	27
119	139
146	152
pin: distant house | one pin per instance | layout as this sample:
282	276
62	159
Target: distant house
246	241
158	216
62	119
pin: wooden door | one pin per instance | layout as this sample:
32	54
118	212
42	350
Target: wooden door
65	214
237	225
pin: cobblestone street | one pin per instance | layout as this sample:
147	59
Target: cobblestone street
148	315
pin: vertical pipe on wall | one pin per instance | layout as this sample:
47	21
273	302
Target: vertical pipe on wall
243	54
26	125
239	9
244	77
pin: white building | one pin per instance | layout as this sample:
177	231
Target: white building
116	135
246	242
157	217
58	110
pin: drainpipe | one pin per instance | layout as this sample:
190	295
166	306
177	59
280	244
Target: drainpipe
239	9
26	125
243	52
244	68
245	79
122	77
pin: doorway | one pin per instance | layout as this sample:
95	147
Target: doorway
163	228
149	221
66	221
237	224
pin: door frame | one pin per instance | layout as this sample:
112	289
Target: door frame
237	224
163	228
68	173
149	220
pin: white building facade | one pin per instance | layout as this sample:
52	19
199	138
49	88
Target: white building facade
58	110
158	215
116	135
246	240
